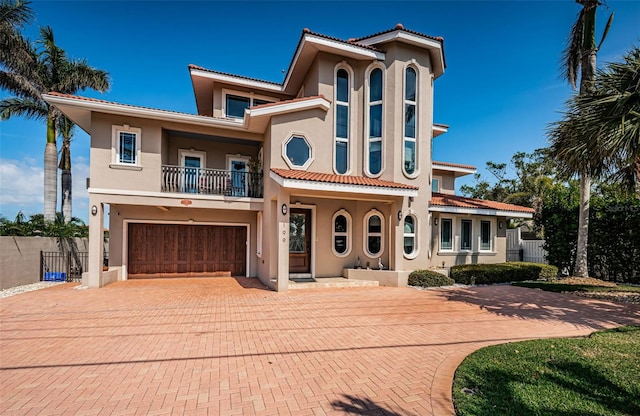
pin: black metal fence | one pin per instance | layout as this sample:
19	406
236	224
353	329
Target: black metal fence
63	267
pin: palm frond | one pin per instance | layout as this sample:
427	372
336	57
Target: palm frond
606	30
572	54
15	13
19	85
20	107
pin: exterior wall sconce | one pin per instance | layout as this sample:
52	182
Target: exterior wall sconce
399	215
94	210
500	225
283	209
435	221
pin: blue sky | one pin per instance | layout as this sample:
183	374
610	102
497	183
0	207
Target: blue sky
500	90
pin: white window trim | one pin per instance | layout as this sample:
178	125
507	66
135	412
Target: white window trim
193	153
490	236
470	249
335	234
250	95
453	245
367	140
350	126
309	161
416	247
115	144
259	234
366	234
416	169
439	179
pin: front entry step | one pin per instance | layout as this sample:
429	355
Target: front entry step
328	282
301	277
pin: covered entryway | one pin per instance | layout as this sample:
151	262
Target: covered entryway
170	250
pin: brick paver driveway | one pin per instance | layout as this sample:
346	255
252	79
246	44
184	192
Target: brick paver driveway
227	346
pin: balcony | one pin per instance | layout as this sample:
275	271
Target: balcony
187	180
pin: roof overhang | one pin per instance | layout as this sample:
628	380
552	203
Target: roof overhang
79	110
480	211
458	171
439	129
436	51
235	80
341	187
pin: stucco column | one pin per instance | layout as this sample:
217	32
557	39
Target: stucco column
93	277
283	241
396	235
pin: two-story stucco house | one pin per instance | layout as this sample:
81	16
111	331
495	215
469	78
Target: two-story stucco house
309	178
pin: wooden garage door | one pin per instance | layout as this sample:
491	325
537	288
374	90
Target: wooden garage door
166	250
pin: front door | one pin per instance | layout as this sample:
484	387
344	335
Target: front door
300	241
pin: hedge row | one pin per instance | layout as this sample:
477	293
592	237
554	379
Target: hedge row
429	278
483	274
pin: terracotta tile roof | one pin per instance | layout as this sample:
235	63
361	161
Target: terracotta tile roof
96	100
294	100
192	66
400	26
453	165
464	202
341	179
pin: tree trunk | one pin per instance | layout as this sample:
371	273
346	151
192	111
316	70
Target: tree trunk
50	172
582	268
65	186
66	195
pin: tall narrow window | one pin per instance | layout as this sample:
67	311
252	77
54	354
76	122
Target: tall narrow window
435	184
485	235
375	122
342	122
410	117
446	235
410	246
373	236
341	233
465	243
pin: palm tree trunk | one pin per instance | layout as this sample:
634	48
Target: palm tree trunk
65	185
582	269
66	195
50	172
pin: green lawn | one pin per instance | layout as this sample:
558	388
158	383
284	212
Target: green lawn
598	375
562	287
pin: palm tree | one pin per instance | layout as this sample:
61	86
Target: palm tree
52	71
580	55
14	14
610	114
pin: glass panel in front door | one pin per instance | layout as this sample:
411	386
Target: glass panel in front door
297	233
192	165
238	177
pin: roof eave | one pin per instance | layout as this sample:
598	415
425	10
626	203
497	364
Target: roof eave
435	47
480	211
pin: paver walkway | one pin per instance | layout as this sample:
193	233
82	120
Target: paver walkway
227	346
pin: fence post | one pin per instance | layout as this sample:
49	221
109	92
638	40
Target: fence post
41	266
68	266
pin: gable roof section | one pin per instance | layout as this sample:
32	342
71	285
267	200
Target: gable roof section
462	205
300	179
311	43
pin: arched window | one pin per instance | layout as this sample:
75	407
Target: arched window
410	240
374	119
342	126
373	234
341	233
410	120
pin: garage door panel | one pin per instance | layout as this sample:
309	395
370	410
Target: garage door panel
165	250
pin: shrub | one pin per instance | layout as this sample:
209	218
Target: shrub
429	278
483	274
